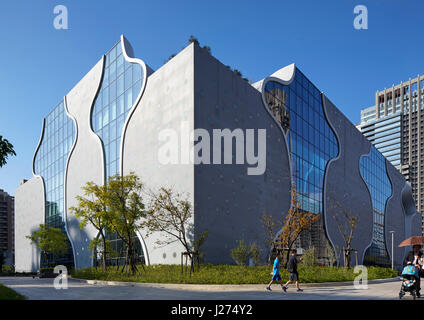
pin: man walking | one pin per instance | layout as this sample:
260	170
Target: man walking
275	274
292	269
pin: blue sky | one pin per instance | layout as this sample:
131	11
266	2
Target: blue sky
39	64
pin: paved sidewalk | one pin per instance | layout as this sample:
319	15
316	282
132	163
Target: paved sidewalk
43	289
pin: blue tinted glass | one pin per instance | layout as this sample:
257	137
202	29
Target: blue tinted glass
311	140
50	162
117	99
373	171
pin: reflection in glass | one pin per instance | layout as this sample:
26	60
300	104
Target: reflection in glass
111	109
298	107
373	171
50	163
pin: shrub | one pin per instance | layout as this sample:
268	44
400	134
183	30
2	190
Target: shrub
308	257
240	254
7	269
229	274
255	253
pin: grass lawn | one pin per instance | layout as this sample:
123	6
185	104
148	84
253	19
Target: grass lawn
229	274
9	294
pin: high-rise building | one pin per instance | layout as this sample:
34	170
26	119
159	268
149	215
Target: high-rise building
395	126
7	216
235	149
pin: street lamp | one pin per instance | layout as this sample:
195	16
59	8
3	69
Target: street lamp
393	256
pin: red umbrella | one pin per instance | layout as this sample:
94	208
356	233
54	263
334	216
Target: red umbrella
412	241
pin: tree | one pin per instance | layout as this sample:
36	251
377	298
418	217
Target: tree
193	39
238	73
208	49
50	241
346	227
295	223
241	253
170	57
331	255
308	257
92	209
269	225
171	213
255	253
6	150
125	204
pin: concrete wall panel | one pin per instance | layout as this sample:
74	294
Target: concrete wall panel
85	162
229	202
29	214
344	186
395	216
165	107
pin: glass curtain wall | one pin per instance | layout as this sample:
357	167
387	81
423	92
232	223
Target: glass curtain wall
373	171
311	144
121	85
50	163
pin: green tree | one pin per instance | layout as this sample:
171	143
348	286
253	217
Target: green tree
50	241
92	209
241	253
6	150
309	258
125	204
193	39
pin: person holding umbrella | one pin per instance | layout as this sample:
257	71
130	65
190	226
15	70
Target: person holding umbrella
415	256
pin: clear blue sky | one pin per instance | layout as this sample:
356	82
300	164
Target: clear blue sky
39	64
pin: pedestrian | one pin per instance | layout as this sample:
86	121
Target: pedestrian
275	274
292	269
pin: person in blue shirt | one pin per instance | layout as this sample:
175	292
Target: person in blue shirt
275	274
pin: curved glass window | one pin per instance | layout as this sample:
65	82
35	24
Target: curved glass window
373	171
120	87
50	163
311	143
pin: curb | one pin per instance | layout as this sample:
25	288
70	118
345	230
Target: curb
220	287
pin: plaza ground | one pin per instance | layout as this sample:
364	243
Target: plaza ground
43	289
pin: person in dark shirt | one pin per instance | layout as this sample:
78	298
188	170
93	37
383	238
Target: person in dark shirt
292	269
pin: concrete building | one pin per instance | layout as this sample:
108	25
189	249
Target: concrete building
239	149
395	125
7	223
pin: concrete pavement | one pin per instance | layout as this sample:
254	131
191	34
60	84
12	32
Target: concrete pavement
43	289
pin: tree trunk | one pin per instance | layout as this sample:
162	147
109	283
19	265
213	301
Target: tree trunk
104	252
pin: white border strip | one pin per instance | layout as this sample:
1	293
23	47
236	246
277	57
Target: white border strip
65	179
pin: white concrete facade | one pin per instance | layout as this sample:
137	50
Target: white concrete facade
191	91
